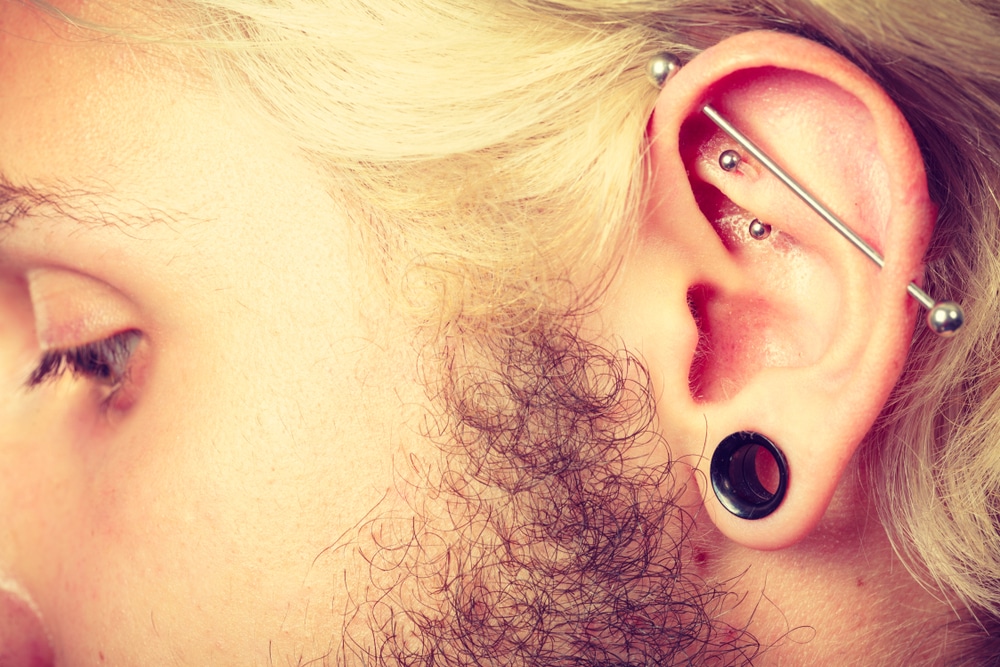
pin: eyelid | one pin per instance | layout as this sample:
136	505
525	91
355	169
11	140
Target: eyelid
88	329
73	310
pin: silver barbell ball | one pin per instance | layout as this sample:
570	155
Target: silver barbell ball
945	318
759	230
661	67
729	160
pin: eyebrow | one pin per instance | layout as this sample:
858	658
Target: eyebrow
17	201
87	206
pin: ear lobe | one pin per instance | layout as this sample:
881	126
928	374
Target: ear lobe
793	334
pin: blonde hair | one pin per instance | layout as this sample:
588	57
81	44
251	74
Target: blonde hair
499	147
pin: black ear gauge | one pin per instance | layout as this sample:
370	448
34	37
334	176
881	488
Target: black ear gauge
944	318
736	475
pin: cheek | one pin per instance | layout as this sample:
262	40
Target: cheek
198	526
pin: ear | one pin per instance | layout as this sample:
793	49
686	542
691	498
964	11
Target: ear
797	336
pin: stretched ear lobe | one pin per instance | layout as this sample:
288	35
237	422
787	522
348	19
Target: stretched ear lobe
753	313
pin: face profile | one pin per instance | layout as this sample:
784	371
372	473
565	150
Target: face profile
561	333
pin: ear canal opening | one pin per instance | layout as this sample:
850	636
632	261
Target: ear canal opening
698	298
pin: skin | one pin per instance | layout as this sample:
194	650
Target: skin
188	519
110	510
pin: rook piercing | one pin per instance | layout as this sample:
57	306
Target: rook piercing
729	160
759	230
736	480
943	317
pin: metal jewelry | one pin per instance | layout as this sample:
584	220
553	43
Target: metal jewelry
943	317
759	230
729	160
662	67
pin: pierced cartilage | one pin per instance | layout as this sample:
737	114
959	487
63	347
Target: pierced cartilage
759	230
661	67
729	160
943	317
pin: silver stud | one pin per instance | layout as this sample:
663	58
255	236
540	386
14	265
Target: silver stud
661	67
729	160
945	318
759	230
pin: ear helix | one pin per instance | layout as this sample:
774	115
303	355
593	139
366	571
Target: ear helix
746	487
944	318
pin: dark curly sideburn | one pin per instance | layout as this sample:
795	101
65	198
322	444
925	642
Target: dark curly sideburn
563	545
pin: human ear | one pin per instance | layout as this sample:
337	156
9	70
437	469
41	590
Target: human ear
754	314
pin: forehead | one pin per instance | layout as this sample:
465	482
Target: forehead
124	131
117	129
74	104
60	96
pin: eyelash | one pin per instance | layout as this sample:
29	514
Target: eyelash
105	361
